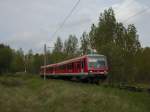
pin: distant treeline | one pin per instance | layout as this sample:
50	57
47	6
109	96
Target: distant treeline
127	60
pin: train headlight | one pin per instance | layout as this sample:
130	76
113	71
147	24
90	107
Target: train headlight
91	71
105	72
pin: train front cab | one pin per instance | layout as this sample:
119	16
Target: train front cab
97	66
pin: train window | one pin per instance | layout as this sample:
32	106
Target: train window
78	65
82	63
97	62
49	69
59	67
70	66
56	68
63	67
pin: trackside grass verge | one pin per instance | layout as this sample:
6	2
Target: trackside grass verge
30	93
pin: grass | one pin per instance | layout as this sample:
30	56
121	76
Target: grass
29	93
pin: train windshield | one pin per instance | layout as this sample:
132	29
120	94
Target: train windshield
97	61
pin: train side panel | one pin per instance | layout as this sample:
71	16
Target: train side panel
75	67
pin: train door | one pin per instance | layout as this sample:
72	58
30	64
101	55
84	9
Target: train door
78	66
82	65
75	67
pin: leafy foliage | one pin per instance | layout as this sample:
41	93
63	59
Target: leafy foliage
18	62
84	43
70	45
5	58
58	47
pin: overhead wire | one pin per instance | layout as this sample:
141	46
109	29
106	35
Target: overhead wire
137	14
66	18
74	7
64	21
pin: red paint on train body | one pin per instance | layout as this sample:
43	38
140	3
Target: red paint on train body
86	66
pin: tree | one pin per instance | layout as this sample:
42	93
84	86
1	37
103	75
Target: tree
84	43
5	58
37	63
70	45
105	32
58	46
92	36
29	61
132	41
18	63
143	65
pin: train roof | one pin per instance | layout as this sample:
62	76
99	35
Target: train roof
71	60
95	55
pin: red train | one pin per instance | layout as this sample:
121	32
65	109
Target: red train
92	68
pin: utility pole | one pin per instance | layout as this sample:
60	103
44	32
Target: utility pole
45	61
25	63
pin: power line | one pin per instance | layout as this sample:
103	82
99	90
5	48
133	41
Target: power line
66	18
139	13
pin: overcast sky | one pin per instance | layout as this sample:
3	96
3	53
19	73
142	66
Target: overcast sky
28	24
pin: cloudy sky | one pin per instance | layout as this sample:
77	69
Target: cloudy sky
28	24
